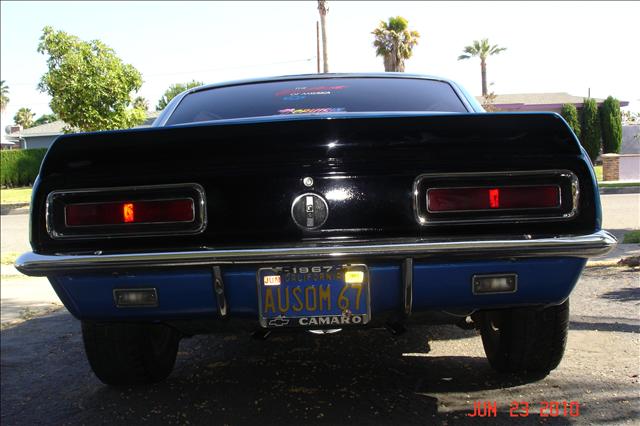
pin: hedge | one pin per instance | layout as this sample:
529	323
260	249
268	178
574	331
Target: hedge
590	129
611	122
570	115
20	167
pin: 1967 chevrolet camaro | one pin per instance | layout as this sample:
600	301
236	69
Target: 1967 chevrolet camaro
317	202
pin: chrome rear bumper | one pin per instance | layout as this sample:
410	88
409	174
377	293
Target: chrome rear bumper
591	245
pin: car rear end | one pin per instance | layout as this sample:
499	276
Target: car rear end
333	217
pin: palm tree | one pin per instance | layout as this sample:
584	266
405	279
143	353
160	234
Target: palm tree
24	117
482	49
394	42
323	9
4	95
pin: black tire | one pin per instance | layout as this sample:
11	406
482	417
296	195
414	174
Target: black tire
130	354
525	340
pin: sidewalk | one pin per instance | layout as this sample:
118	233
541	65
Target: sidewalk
22	297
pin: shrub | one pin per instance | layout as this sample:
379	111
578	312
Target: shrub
570	114
611	122
20	167
590	129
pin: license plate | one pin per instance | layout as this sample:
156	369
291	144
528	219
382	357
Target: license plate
314	296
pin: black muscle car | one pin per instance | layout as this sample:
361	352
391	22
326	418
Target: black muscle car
317	202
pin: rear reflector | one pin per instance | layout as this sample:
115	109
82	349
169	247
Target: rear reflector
486	284
137	212
500	198
135	297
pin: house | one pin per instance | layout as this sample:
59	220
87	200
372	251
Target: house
552	102
43	136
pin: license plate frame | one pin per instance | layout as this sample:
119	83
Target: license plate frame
358	307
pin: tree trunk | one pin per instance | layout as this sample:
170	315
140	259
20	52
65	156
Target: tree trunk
483	70
388	62
323	25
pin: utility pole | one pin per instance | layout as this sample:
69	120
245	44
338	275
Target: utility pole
323	9
318	47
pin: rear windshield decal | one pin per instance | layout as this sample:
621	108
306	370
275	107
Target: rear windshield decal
303	91
310	110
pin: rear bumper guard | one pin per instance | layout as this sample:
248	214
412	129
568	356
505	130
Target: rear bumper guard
584	246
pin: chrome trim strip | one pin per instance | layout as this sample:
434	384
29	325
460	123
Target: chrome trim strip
583	246
201	201
575	189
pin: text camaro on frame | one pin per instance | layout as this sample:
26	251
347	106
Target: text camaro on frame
318	202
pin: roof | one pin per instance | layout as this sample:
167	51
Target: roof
48	129
56	127
556	99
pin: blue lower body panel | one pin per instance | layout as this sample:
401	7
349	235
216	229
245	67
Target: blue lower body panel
188	293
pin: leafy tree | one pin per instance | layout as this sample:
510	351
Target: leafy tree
482	49
173	91
89	85
570	114
611	121
323	10
394	42
590	129
44	119
4	95
141	103
24	117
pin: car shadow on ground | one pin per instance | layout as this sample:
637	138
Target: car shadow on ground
627	294
345	378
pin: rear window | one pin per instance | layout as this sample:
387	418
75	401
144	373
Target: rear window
317	96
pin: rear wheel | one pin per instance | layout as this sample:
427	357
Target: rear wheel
130	354
525	340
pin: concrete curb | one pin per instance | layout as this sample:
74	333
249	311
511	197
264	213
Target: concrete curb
624	190
18	208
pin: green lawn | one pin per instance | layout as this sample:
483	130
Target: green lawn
631	237
15	195
598	173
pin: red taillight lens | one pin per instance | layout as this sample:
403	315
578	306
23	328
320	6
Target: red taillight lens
137	212
501	198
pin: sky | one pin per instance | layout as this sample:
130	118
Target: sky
551	46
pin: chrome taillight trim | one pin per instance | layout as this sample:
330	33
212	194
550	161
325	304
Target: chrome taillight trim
199	204
423	220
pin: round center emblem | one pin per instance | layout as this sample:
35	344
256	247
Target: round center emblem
309	211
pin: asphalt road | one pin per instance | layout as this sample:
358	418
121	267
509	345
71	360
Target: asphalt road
347	378
621	213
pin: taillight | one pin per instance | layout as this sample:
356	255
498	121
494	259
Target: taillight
127	212
138	212
499	198
495	197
